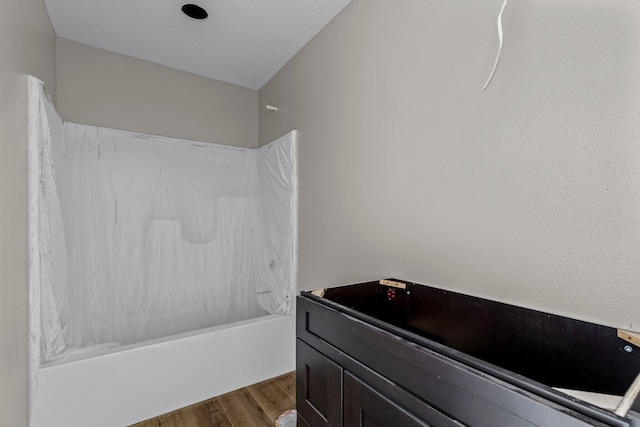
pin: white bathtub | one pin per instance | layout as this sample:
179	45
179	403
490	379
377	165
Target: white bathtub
128	384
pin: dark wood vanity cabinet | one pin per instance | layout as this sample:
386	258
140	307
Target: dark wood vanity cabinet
371	355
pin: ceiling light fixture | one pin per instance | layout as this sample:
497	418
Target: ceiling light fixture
194	11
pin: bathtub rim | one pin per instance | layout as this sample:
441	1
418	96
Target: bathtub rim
82	357
127	387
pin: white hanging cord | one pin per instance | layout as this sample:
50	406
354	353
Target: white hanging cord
500	38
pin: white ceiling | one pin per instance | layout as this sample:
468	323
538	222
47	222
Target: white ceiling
244	42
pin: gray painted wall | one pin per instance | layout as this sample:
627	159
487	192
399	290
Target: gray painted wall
527	193
107	89
27	46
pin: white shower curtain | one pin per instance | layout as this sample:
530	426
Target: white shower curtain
140	237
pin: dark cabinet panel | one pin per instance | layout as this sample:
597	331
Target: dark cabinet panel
454	388
364	407
359	366
318	387
301	421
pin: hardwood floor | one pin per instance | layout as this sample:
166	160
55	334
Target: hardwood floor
254	406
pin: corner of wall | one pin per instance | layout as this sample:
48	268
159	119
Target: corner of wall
27	46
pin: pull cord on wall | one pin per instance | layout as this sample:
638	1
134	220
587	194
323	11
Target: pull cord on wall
500	42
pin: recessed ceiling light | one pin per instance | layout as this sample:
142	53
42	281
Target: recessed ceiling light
194	11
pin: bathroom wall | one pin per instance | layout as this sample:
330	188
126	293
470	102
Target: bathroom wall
527	193
27	46
108	89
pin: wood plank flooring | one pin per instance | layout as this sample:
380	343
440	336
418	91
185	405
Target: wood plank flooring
255	406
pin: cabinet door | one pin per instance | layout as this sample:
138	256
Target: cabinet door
300	422
365	407
318	387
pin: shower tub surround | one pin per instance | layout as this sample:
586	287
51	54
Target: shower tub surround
161	271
